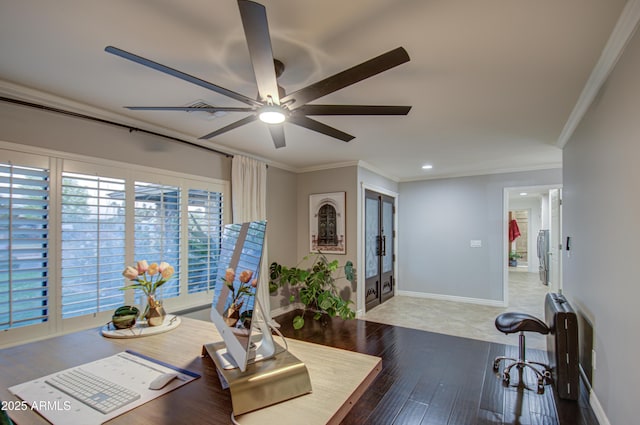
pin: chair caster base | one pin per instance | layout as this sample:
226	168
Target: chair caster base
543	377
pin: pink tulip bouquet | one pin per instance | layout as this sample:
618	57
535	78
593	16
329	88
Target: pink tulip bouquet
148	277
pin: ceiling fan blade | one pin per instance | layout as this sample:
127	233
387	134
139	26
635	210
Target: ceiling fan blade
186	77
353	110
346	78
277	134
243	121
256	31
189	108
314	125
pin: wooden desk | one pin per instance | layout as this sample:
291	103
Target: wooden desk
338	377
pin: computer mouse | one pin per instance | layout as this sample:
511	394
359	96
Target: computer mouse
162	380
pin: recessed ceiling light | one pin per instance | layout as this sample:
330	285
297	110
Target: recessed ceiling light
427	167
523	193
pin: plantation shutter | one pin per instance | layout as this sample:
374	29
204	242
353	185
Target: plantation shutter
157	229
24	224
93	243
205	230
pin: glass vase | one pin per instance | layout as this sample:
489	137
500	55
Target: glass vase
154	312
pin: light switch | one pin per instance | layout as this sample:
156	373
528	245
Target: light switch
475	243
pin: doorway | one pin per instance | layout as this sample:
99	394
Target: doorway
379	245
537	210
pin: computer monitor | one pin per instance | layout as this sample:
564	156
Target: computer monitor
236	309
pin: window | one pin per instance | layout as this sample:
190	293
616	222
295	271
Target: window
24	231
70	225
205	230
93	243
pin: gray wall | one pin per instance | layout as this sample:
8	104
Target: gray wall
27	126
601	215
437	221
282	217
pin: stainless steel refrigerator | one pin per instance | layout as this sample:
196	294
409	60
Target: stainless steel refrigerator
543	255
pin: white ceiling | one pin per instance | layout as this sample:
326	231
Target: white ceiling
492	83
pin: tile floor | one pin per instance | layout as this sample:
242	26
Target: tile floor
526	294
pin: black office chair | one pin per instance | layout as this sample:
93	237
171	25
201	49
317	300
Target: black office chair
513	322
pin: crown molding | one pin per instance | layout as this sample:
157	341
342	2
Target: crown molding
327	166
378	171
620	36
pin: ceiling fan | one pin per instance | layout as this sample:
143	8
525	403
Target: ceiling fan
273	105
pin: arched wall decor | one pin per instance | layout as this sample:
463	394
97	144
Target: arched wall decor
327	223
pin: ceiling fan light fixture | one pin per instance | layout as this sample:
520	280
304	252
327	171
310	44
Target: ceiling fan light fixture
272	114
273	105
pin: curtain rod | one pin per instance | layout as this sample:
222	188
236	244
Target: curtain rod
104	121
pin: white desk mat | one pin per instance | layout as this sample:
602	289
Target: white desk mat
129	369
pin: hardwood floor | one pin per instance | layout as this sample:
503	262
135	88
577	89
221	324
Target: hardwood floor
435	379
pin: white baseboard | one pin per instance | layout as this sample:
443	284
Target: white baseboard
597	409
481	301
593	400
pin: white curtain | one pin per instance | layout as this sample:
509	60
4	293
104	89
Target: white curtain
249	203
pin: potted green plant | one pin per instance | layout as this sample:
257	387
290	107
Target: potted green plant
314	287
513	259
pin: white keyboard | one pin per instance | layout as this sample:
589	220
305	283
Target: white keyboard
101	394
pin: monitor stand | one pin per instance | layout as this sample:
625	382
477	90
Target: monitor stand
263	383
261	346
273	375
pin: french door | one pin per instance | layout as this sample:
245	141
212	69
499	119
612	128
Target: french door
379	243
